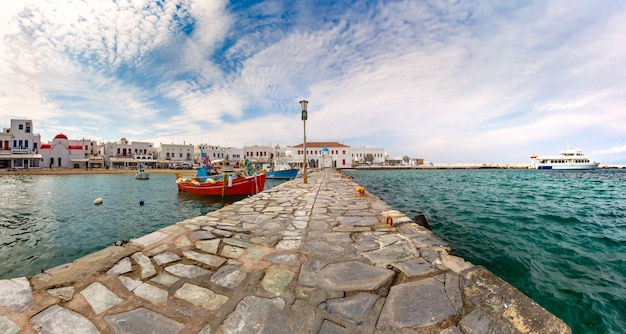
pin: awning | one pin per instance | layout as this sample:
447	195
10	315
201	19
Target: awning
26	156
123	160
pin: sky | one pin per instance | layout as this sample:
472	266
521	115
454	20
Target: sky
446	81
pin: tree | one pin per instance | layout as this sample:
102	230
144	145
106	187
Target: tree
406	159
369	157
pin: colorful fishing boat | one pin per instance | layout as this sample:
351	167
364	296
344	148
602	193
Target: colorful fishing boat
224	185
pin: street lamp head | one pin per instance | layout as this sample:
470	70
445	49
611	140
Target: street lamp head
304	103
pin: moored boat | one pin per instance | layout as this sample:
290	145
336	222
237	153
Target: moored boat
570	159
282	170
141	174
227	185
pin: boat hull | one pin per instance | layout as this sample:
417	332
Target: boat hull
247	185
581	166
142	176
283	174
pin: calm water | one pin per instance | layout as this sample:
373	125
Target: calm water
559	237
46	221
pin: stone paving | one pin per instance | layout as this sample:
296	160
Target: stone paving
299	258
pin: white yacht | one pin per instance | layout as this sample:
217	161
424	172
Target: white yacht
570	159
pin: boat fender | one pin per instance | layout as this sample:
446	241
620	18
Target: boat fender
421	221
230	181
389	221
140	202
97	201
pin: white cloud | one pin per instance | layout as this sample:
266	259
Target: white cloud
451	81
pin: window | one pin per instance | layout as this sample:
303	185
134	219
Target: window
20	127
26	144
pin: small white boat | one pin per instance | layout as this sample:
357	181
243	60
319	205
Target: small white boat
570	159
141	174
281	170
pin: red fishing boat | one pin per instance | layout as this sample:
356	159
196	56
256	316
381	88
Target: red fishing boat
227	185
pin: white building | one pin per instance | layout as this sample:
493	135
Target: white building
125	154
361	155
19	146
335	155
171	155
62	152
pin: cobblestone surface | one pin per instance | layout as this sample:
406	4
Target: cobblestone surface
298	258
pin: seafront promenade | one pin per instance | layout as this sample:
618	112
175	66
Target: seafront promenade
298	258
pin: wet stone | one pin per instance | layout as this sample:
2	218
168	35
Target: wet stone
354	309
187	271
415	304
123	266
142	321
164	258
16	294
57	320
65	294
7	326
228	277
100	298
208	259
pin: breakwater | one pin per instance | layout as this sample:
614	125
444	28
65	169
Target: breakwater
316	257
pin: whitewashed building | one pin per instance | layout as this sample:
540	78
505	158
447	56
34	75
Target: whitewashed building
129	155
62	152
174	155
360	155
19	146
331	154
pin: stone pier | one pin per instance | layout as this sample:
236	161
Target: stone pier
299	258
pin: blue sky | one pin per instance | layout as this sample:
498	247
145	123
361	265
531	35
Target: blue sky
446	81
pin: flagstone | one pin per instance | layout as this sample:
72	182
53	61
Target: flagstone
142	321
123	266
16	294
187	271
100	298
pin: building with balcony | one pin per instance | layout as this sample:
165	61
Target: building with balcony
19	146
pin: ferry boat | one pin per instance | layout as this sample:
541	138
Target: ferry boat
570	159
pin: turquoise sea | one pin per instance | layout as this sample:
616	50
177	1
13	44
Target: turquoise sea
49	220
559	237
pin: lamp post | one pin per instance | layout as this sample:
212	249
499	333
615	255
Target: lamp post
303	104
